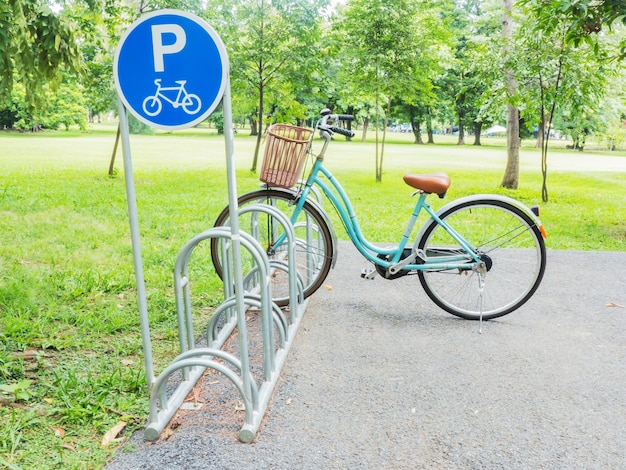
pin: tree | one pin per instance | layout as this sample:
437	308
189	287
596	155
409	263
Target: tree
27	22
560	76
511	173
100	29
460	83
271	50
388	56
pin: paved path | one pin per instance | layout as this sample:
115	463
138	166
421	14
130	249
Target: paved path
380	378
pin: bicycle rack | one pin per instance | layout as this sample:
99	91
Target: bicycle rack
166	397
194	361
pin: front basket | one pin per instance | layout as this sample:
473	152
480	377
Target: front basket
285	153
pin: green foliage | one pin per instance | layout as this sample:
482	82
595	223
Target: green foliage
393	55
67	108
63	107
582	19
99	91
137	127
217	118
16	113
27	22
17	391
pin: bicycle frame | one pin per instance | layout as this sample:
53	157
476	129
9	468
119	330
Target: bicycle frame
179	89
342	204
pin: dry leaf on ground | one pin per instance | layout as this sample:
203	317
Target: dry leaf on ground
112	433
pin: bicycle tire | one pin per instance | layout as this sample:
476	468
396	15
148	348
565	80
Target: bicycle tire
152	105
192	103
314	243
512	246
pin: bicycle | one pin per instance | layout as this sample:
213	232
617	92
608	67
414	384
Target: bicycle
478	257
190	103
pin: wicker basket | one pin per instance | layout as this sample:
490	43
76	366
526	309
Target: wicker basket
285	152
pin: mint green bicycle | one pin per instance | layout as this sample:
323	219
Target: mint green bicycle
478	257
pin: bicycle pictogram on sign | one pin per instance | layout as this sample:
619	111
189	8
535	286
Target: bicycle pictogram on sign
190	103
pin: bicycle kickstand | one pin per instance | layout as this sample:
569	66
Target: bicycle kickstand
482	271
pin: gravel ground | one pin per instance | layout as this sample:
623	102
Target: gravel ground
380	378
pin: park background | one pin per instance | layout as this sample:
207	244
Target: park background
70	355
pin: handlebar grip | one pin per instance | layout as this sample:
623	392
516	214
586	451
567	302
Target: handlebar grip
342	131
345	117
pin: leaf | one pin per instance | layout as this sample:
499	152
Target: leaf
112	433
127	362
58	432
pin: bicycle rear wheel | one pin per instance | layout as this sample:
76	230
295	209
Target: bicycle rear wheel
509	242
314	242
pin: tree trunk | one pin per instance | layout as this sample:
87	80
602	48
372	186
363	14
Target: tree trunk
417	132
429	127
415	125
254	130
366	124
510	179
349	124
461	140
478	127
541	132
382	147
377	118
259	136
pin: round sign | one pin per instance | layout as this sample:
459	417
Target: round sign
170	69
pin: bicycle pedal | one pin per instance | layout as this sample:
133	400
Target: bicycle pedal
368	274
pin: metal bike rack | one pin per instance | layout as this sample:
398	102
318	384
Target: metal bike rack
189	366
193	361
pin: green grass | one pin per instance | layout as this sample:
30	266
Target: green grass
70	343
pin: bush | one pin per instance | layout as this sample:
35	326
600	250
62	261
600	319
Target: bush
137	127
63	107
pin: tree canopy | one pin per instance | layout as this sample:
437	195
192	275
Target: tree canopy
389	62
35	46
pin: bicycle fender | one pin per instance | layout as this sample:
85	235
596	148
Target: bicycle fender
482	197
318	206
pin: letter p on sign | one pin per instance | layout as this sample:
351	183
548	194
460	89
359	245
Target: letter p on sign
159	49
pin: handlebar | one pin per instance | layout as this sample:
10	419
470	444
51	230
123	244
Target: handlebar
323	125
342	131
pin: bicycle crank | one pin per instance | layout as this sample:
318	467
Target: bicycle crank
408	257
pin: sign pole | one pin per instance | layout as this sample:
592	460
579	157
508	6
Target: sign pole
136	243
235	237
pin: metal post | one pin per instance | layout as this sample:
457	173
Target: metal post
235	237
136	243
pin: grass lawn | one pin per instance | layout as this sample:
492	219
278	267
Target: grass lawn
70	347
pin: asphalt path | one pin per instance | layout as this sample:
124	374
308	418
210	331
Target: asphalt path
380	378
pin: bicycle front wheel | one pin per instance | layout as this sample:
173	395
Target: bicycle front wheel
191	104
510	244
314	243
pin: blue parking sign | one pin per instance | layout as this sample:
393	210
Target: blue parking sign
170	69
